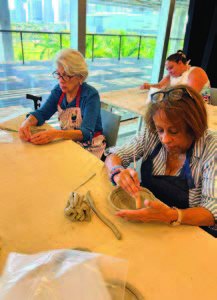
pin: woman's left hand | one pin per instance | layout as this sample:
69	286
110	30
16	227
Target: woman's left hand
153	212
43	137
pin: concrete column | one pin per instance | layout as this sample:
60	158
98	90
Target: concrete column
78	25
164	27
6	38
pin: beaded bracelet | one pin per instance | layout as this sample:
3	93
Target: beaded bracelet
114	171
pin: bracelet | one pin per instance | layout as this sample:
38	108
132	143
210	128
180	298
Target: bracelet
179	217
114	171
116	168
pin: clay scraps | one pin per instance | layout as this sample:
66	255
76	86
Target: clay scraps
77	208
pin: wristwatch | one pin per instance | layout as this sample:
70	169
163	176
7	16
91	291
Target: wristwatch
179	217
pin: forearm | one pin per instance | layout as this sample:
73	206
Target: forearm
111	161
197	216
31	121
155	85
75	135
162	84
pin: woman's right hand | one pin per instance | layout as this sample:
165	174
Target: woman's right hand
25	132
129	181
145	86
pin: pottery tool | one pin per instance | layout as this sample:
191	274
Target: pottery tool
7	129
137	197
85	182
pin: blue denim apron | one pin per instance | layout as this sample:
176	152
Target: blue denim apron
172	190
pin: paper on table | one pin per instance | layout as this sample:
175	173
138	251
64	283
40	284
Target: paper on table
14	124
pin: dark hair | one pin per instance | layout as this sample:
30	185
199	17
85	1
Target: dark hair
187	112
176	57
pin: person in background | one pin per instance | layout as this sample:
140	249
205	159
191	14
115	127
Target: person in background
77	103
179	72
178	154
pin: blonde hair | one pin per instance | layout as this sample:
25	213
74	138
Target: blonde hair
73	62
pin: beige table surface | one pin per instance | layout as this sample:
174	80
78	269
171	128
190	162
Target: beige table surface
134	100
164	262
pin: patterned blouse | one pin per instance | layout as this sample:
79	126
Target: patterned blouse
202	165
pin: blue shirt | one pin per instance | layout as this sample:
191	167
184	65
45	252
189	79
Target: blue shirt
89	104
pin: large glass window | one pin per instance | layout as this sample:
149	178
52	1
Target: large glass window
178	28
120	44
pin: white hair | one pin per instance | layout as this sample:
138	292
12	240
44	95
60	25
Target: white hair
73	62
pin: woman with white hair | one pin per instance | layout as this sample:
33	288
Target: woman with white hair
77	103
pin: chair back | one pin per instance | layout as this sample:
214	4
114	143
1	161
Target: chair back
213	96
110	125
36	100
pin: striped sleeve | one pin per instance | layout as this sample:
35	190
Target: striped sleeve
137	147
209	178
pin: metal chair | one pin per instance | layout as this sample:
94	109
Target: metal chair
213	96
110	125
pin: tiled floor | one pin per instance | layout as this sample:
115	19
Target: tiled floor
16	80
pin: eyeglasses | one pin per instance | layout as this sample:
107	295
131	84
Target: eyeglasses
173	94
65	78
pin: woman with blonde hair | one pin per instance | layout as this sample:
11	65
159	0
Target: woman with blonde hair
178	154
77	103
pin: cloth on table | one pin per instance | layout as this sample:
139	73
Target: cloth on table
77	208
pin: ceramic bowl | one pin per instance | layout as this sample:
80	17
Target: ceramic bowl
120	199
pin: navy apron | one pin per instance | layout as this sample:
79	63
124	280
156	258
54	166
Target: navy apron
172	190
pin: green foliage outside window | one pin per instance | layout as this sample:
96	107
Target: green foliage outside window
43	46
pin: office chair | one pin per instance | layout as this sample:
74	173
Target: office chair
110	125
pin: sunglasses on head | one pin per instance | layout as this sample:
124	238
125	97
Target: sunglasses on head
173	94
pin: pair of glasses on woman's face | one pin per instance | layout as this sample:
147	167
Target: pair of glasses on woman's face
173	94
65	78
